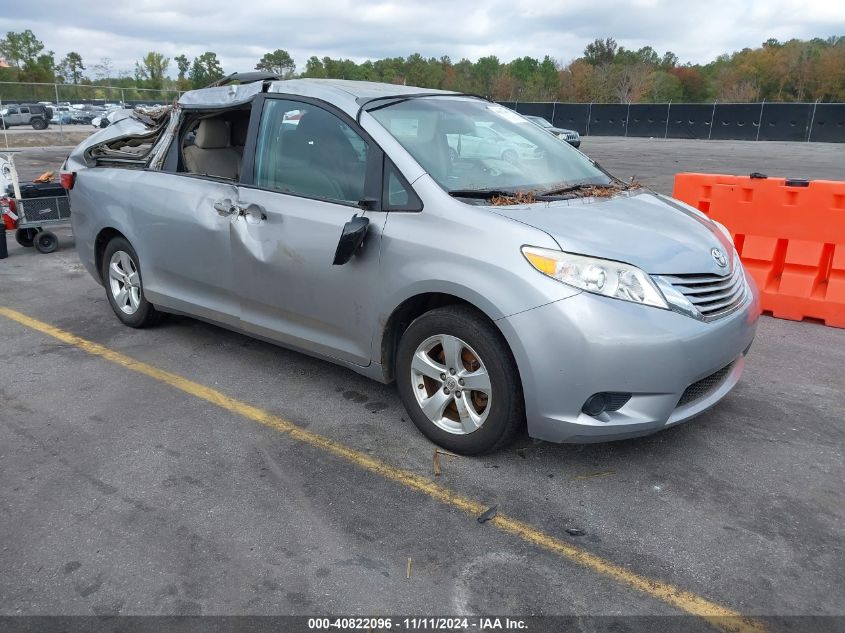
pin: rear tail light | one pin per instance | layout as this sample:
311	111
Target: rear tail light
68	179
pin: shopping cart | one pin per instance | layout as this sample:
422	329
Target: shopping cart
32	207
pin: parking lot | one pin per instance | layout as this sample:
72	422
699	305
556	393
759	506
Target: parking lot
187	469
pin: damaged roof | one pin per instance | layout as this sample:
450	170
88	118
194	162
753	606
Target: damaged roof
344	93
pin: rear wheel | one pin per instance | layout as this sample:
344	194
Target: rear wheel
39	124
121	275
459	382
25	237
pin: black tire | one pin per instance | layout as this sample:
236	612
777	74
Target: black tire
46	242
146	315
38	124
507	414
25	237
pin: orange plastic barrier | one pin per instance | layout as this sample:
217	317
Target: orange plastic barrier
790	235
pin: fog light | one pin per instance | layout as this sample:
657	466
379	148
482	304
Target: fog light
603	401
595	404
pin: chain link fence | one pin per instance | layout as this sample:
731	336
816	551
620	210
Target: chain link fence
83	94
74	106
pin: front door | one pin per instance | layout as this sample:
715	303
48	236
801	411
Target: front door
311	170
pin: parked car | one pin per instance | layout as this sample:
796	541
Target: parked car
570	136
34	114
492	293
485	142
61	116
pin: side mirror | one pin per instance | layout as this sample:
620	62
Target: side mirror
351	239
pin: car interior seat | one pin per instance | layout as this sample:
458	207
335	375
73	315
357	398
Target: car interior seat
212	154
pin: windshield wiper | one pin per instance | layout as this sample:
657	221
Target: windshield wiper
583	185
481	194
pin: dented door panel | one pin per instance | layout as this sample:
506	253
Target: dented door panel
187	244
290	291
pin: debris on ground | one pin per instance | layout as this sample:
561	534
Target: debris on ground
408	568
47	176
575	532
489	514
435	459
603	473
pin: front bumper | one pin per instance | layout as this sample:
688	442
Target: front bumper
568	350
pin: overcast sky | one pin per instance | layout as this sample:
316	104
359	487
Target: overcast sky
240	32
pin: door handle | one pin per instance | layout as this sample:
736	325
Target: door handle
253	213
225	208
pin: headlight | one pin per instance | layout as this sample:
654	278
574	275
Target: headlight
599	276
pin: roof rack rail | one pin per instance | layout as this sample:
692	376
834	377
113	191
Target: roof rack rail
245	78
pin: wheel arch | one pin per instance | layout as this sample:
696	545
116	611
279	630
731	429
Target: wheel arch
102	240
411	308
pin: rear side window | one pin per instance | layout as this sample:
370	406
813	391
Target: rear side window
306	150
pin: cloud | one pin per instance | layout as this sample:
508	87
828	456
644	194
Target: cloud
695	30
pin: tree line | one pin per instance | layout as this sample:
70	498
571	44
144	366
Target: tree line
795	70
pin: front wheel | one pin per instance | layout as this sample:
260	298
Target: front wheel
121	275
459	382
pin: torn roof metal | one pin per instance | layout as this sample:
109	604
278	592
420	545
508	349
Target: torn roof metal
344	93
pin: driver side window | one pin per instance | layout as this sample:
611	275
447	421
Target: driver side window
305	150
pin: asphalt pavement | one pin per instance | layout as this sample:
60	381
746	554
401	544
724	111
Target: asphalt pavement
122	493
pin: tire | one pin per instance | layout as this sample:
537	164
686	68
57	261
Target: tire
453	155
38	124
25	237
483	352
510	156
46	242
132	308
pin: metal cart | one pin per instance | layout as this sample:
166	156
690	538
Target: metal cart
35	206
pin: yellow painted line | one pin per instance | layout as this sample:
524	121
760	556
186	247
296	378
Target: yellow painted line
720	617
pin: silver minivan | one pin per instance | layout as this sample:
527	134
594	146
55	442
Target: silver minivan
346	220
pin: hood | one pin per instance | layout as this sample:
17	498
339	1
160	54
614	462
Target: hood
658	234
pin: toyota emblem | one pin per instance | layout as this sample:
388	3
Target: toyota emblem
719	256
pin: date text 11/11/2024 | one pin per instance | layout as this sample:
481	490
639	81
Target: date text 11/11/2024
417	624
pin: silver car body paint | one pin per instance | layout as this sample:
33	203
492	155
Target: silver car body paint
273	278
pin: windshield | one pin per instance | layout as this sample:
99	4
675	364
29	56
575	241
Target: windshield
540	121
472	145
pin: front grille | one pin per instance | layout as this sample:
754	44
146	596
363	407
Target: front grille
714	296
705	386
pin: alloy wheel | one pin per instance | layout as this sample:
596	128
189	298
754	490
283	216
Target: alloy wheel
124	282
451	384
